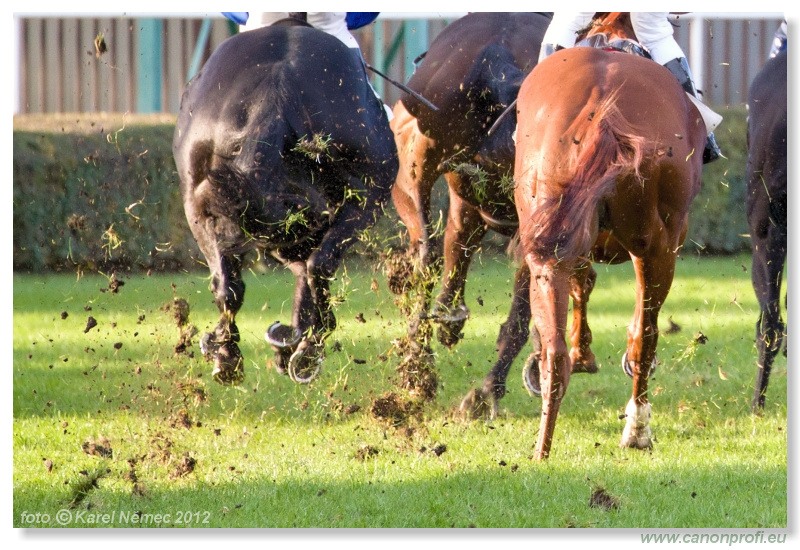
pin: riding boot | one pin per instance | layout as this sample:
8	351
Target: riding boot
679	67
386	108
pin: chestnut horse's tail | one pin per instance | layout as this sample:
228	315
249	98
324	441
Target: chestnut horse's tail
564	222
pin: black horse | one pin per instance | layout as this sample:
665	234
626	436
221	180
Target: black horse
766	210
281	146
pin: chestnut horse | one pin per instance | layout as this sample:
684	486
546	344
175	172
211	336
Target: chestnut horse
608	161
766	210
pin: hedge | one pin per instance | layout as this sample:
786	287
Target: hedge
100	192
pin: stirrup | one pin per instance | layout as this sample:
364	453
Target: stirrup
711	152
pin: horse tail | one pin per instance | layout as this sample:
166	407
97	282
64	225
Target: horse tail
565	218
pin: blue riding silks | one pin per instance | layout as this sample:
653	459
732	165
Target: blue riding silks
238	17
358	19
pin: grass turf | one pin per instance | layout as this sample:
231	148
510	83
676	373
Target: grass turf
113	426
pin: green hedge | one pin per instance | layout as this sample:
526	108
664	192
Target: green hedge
718	220
100	192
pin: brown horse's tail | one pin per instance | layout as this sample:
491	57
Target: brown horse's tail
564	222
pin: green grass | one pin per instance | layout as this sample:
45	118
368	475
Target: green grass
274	454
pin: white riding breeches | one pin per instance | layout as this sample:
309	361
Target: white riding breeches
332	22
653	30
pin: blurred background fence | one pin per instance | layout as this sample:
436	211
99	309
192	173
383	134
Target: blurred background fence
149	57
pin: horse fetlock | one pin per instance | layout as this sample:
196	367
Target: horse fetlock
637	433
629	366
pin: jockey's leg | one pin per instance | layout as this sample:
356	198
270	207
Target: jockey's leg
563	30
334	23
654	32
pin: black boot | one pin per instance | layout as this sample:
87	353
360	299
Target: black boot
679	67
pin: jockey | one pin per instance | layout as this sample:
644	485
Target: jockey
779	42
654	32
338	24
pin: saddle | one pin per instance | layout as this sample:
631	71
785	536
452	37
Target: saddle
625	45
296	19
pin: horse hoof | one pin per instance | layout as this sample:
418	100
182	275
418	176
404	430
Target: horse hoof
283	339
444	314
449	335
207	344
530	376
476	405
282	336
228	365
305	364
641	441
451	322
626	367
281	359
588	366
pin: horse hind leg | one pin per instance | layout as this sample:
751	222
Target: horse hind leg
483	402
411	195
221	345
582	358
549	300
654	274
767	271
287	341
463	234
312	301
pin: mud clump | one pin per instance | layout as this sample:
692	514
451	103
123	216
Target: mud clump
181	419
100	447
160	448
602	499
393	409
417	369
366	451
439	449
399	270
179	309
85	484
114	284
185	339
185	466
91	322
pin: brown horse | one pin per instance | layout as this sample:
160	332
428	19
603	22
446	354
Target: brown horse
472	71
766	210
608	161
